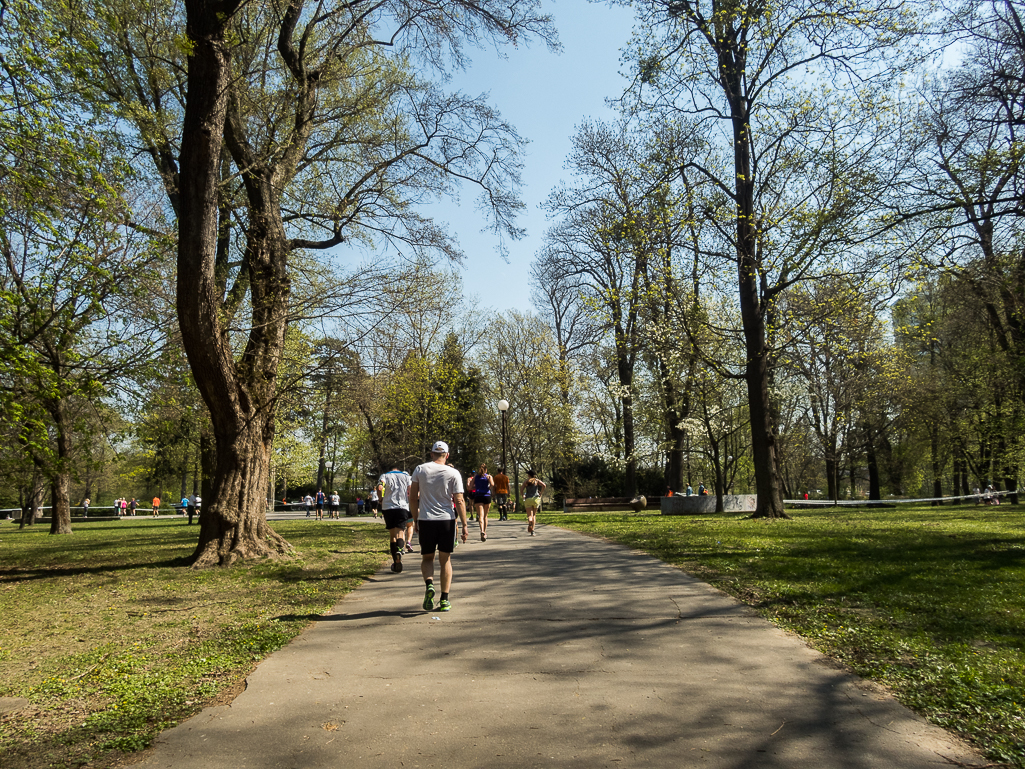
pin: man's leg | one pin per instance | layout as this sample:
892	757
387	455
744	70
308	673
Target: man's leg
427	566
427	570
445	566
396	545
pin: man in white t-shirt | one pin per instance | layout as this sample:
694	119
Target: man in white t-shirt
393	487
435	499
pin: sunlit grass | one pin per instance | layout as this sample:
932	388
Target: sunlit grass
111	639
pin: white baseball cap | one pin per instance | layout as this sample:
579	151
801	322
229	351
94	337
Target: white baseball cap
440	448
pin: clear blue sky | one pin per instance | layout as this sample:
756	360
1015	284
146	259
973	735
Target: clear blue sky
545	96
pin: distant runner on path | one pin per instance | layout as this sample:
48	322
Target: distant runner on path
532	488
435	499
393	487
481	485
502	494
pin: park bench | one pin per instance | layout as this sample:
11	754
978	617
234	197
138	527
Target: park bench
598	504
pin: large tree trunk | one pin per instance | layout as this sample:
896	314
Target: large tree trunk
676	408
234	521
937	467
33	503
757	373
763	437
60	481
630	481
832	478
677	445
874	490
60	504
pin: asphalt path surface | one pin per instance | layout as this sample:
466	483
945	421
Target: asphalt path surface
560	651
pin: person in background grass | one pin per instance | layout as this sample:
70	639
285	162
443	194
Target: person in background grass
156	506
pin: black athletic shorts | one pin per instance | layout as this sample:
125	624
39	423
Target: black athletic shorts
482	499
437	535
397	518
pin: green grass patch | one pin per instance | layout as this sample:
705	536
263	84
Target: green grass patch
927	601
112	639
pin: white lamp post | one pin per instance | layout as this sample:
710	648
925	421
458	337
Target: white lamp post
503	406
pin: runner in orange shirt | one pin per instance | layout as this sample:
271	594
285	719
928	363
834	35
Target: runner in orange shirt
502	494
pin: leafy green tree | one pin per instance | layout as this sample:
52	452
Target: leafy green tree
171	421
604	241
524	365
75	317
433	397
965	406
334	137
788	101
839	350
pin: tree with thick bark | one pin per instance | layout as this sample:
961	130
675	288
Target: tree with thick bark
787	98
316	109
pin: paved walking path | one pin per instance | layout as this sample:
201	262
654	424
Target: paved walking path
560	651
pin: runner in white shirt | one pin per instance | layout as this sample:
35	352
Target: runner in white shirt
393	487
435	499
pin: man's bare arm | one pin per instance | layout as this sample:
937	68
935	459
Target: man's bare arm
457	501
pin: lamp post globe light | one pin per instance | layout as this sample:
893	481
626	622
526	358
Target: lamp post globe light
503	406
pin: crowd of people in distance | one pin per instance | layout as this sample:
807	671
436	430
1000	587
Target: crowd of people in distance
689	491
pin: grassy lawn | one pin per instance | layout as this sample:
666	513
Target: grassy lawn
928	601
110	639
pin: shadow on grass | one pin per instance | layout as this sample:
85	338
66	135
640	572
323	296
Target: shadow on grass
50	572
899	578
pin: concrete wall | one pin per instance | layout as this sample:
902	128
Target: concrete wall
695	505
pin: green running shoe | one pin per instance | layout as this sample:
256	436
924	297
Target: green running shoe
429	597
445	605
